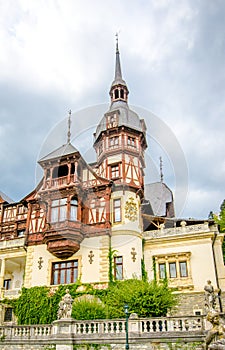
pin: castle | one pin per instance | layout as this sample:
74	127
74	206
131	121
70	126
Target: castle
79	213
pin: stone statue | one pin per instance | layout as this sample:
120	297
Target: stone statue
65	306
217	332
210	297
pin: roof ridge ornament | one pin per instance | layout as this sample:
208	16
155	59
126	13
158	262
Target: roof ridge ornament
69	127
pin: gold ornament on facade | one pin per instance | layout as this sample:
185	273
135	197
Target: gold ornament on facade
131	212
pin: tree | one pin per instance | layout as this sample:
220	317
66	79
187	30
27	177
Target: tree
220	220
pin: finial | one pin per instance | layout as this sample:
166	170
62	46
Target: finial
117	40
69	125
161	168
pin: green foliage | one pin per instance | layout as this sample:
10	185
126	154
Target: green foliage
180	345
88	310
39	305
147	299
220	220
112	253
144	274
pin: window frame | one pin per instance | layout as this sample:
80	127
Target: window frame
59	209
172	272
60	274
131	141
118	268
73	205
7	283
117	210
186	268
115	171
162	272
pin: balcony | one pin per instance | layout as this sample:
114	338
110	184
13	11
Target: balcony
12	243
63	238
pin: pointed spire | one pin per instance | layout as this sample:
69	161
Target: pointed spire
161	168
119	90
69	126
118	74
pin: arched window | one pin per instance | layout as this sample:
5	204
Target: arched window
73	209
116	93
122	93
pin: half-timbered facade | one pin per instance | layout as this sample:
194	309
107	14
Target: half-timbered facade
81	215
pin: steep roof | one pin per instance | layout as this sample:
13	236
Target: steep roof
62	151
159	196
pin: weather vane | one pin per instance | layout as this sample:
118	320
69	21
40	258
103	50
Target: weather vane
69	125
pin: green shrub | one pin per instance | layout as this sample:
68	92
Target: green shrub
84	309
147	299
39	305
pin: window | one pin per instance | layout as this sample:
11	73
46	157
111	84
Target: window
173	270
131	141
60	171
73	209
183	269
58	210
115	171
112	121
116	93
7	284
8	314
176	267
113	141
21	233
118	267
162	271
65	272
117	210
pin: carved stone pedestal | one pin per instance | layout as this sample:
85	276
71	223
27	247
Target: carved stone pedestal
62	331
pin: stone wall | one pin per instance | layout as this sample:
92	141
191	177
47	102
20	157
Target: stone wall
192	303
144	346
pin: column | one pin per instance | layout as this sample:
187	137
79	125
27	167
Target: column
2	275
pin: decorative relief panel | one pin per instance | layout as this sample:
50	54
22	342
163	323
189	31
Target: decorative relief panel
131	211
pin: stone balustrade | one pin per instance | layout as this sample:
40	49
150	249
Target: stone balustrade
200	228
105	330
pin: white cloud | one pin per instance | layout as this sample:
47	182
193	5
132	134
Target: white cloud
57	55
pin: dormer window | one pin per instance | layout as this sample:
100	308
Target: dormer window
112	121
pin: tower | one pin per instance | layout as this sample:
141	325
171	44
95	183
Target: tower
120	143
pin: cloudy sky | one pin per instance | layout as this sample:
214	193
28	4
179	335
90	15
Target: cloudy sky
57	55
